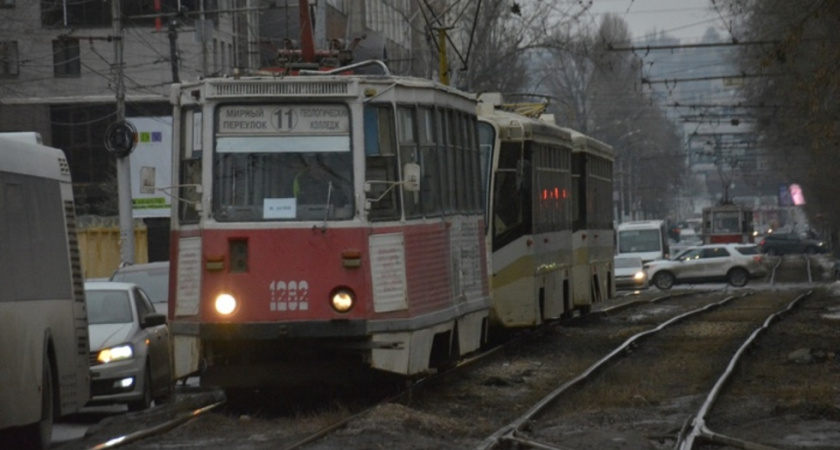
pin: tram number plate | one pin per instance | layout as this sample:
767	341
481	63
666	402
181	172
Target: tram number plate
289	295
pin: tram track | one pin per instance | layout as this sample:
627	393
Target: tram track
524	431
213	404
462	401
792	268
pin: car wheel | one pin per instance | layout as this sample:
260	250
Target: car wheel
145	402
663	280
738	277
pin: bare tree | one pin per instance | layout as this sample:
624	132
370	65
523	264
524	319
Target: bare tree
598	93
793	61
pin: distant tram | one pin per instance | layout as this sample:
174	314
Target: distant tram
727	223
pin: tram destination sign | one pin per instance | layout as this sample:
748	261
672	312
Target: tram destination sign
283	119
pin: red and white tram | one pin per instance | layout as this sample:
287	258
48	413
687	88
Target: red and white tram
324	218
727	223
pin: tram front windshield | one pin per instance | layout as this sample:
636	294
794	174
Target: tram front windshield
282	178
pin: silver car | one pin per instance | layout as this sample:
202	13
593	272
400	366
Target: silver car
630	273
129	346
152	277
735	264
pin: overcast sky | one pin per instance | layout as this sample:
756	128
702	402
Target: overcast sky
683	19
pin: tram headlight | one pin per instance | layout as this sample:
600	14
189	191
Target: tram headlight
342	300
117	353
225	304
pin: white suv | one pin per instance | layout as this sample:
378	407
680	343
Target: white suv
735	264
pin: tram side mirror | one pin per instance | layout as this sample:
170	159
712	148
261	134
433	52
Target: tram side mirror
411	177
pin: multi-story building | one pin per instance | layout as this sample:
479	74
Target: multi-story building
63	63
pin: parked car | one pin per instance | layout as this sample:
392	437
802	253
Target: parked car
790	243
129	346
630	273
735	264
152	277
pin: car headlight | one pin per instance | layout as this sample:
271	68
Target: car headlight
225	304
117	353
342	300
639	276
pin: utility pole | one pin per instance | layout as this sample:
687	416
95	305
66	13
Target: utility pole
204	36
123	165
173	48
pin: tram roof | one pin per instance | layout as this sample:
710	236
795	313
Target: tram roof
308	86
507	122
585	143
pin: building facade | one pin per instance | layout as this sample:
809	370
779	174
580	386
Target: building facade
59	62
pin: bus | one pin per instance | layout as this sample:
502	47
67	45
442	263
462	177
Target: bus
44	363
647	239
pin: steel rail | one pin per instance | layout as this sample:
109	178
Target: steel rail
509	432
465	363
699	429
808	268
325	431
169	425
773	272
155	430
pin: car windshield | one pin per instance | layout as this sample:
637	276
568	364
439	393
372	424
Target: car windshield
682	253
108	307
155	282
690	253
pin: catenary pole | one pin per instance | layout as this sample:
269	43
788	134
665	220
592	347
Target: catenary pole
123	166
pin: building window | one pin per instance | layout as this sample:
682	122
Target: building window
66	61
58	14
9	62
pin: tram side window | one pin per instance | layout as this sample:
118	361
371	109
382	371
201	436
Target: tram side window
456	148
579	212
407	133
446	148
474	164
599	193
430	189
381	163
190	151
551	189
467	179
